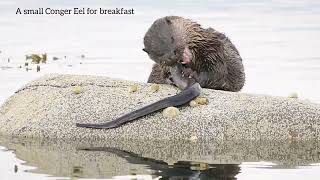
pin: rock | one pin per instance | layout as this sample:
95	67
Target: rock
171	112
133	88
77	90
48	108
202	101
193	103
193	138
36	58
293	95
154	88
44	58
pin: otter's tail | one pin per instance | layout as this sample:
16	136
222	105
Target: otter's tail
182	98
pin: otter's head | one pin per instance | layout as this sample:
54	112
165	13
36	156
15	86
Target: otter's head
165	44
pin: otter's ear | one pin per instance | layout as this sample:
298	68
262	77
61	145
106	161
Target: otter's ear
145	50
168	20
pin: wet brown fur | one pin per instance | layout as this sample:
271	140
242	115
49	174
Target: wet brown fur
215	60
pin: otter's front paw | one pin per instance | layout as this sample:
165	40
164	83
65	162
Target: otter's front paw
186	72
189	73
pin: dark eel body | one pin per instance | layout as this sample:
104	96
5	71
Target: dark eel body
177	100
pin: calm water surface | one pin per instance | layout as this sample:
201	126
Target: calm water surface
278	41
52	159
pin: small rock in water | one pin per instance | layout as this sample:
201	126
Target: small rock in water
133	88
154	88
193	103
77	90
44	58
171	162
199	166
171	112
293	95
15	168
202	100
36	58
28	57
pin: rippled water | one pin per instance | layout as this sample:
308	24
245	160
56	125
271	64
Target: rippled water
278	41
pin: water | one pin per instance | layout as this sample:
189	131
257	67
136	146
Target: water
53	159
278	41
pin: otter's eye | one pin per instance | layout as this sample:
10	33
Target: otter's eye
168	20
175	52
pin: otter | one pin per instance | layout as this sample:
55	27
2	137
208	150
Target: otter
214	61
189	57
